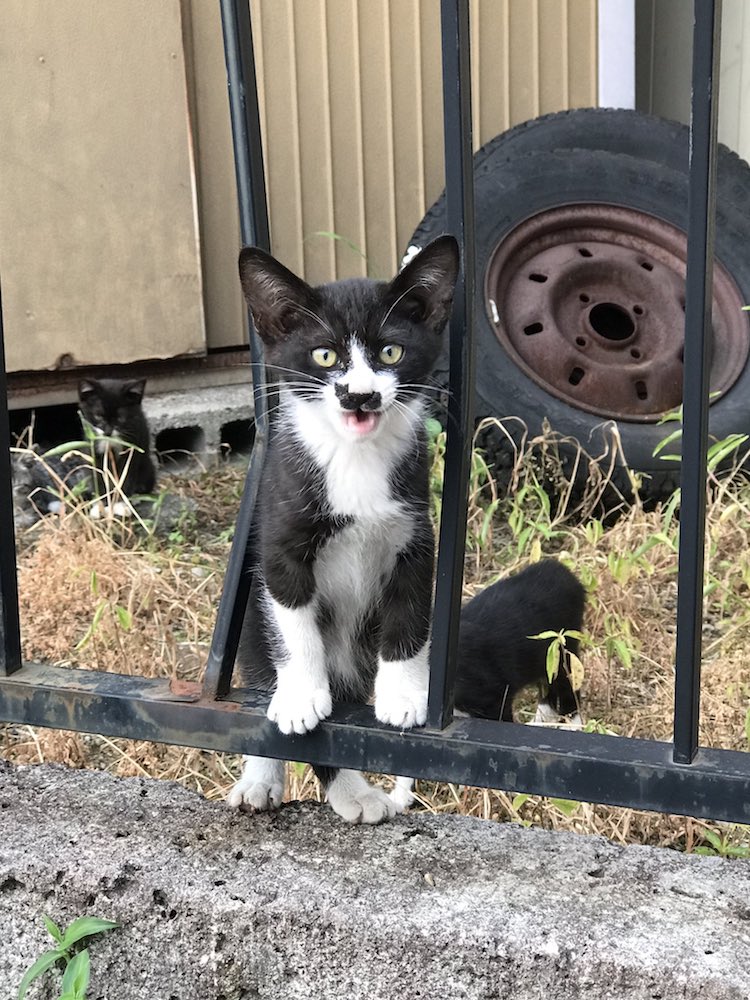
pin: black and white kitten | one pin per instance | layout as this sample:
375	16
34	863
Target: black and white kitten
113	407
497	657
340	602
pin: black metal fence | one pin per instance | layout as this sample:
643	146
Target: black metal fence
678	777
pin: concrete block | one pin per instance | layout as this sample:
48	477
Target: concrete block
197	420
222	906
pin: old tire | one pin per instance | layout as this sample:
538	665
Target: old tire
595	212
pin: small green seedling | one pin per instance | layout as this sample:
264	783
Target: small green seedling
76	967
557	649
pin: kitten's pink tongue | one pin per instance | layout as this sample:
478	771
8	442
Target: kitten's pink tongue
361	421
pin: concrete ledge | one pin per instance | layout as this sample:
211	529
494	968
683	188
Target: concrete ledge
223	906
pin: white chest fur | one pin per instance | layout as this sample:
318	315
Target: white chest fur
354	565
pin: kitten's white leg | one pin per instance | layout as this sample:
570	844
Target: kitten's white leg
401	793
260	786
303	695
545	714
401	690
357	801
120	509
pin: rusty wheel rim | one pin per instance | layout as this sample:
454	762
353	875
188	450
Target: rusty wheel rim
589	301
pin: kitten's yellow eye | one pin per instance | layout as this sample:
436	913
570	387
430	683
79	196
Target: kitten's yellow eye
391	354
324	357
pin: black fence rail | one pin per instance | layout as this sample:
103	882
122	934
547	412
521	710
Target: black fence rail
678	777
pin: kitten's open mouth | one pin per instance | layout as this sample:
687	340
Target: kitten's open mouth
362	422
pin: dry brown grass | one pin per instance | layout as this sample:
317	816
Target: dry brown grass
72	572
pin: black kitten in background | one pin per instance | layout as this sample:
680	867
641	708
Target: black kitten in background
496	657
114	409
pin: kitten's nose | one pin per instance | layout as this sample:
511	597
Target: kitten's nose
357	400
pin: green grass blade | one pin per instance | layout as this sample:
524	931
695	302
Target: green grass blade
84	927
76	978
44	962
53	929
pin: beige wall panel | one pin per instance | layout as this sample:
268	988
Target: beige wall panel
98	244
314	126
432	102
552	26
217	189
491	54
408	142
342	18
581	48
274	35
374	42
523	77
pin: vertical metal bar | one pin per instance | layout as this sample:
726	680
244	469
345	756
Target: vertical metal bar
698	337
459	188
251	194
10	633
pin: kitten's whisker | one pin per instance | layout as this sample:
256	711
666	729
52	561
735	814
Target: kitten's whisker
296	371
417	388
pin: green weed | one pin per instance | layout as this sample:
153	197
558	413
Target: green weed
75	968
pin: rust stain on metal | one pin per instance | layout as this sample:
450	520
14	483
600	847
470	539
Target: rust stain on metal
185	688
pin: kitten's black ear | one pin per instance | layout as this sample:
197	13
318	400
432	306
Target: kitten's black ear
277	298
87	387
135	389
424	289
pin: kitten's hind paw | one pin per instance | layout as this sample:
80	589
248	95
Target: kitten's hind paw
260	786
299	711
401	795
355	800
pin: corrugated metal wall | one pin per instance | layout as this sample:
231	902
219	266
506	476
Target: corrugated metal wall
351	105
352	111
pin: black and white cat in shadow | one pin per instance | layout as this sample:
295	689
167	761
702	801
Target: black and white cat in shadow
113	407
341	591
497	656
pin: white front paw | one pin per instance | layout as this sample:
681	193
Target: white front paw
402	709
299	711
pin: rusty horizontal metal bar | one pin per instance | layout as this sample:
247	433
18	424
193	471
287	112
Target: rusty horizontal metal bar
584	766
